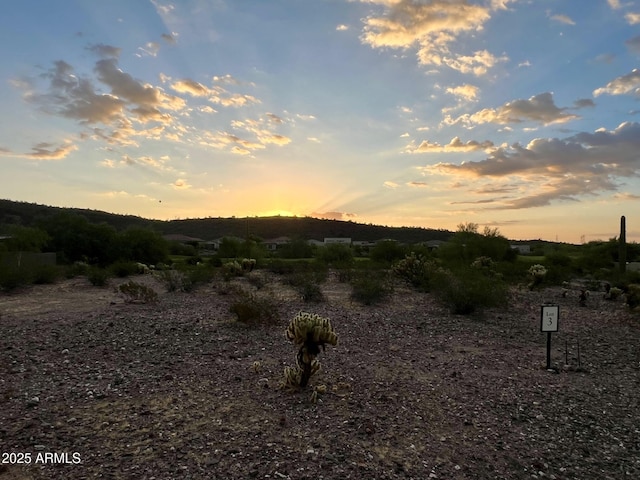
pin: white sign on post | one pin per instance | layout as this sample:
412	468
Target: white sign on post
549	318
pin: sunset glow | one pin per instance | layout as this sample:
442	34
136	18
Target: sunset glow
508	113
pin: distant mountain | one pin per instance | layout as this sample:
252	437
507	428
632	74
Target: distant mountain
29	214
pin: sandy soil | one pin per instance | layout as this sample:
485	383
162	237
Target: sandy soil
93	387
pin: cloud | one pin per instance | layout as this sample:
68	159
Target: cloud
418	184
148	100
342	28
539	108
216	93
584	103
431	28
551	169
171	38
105	51
465	92
614	4
150	49
633	44
632	18
563	19
43	151
390	184
624	85
180	184
456	145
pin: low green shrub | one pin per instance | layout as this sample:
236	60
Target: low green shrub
174	280
45	274
123	269
633	296
134	292
469	290
416	270
12	278
252	309
98	276
370	287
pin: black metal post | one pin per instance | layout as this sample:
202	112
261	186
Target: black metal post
548	350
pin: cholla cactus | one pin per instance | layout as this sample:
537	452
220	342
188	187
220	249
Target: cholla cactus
248	264
483	262
537	272
231	269
308	331
414	269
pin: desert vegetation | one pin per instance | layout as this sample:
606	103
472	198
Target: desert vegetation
184	366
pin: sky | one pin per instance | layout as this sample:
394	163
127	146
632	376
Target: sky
516	114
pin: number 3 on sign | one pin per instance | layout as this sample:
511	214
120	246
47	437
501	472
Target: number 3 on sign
549	318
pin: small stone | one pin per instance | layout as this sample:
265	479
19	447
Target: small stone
65	351
32	402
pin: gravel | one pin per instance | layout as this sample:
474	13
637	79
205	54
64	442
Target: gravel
93	387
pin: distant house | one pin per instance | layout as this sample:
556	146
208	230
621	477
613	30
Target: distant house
522	249
341	240
315	243
184	239
363	243
276	243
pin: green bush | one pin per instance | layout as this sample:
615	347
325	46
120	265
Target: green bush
370	287
633	296
252	309
416	270
123	269
45	274
469	290
98	276
13	277
76	269
172	279
134	292
196	276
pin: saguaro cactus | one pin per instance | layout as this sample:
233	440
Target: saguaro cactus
622	254
309	331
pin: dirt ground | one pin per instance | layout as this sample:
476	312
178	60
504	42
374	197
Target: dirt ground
93	387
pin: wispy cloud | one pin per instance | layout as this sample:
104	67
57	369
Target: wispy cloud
551	169
43	151
456	145
628	84
432	28
539	108
564	19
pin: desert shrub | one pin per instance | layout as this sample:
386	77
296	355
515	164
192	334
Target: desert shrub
45	274
256	280
387	252
98	276
633	296
76	269
416	270
559	259
13	277
336	254
196	276
123	269
194	260
469	290
231	269
307	282
173	280
134	292
252	309
310	291
369	287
